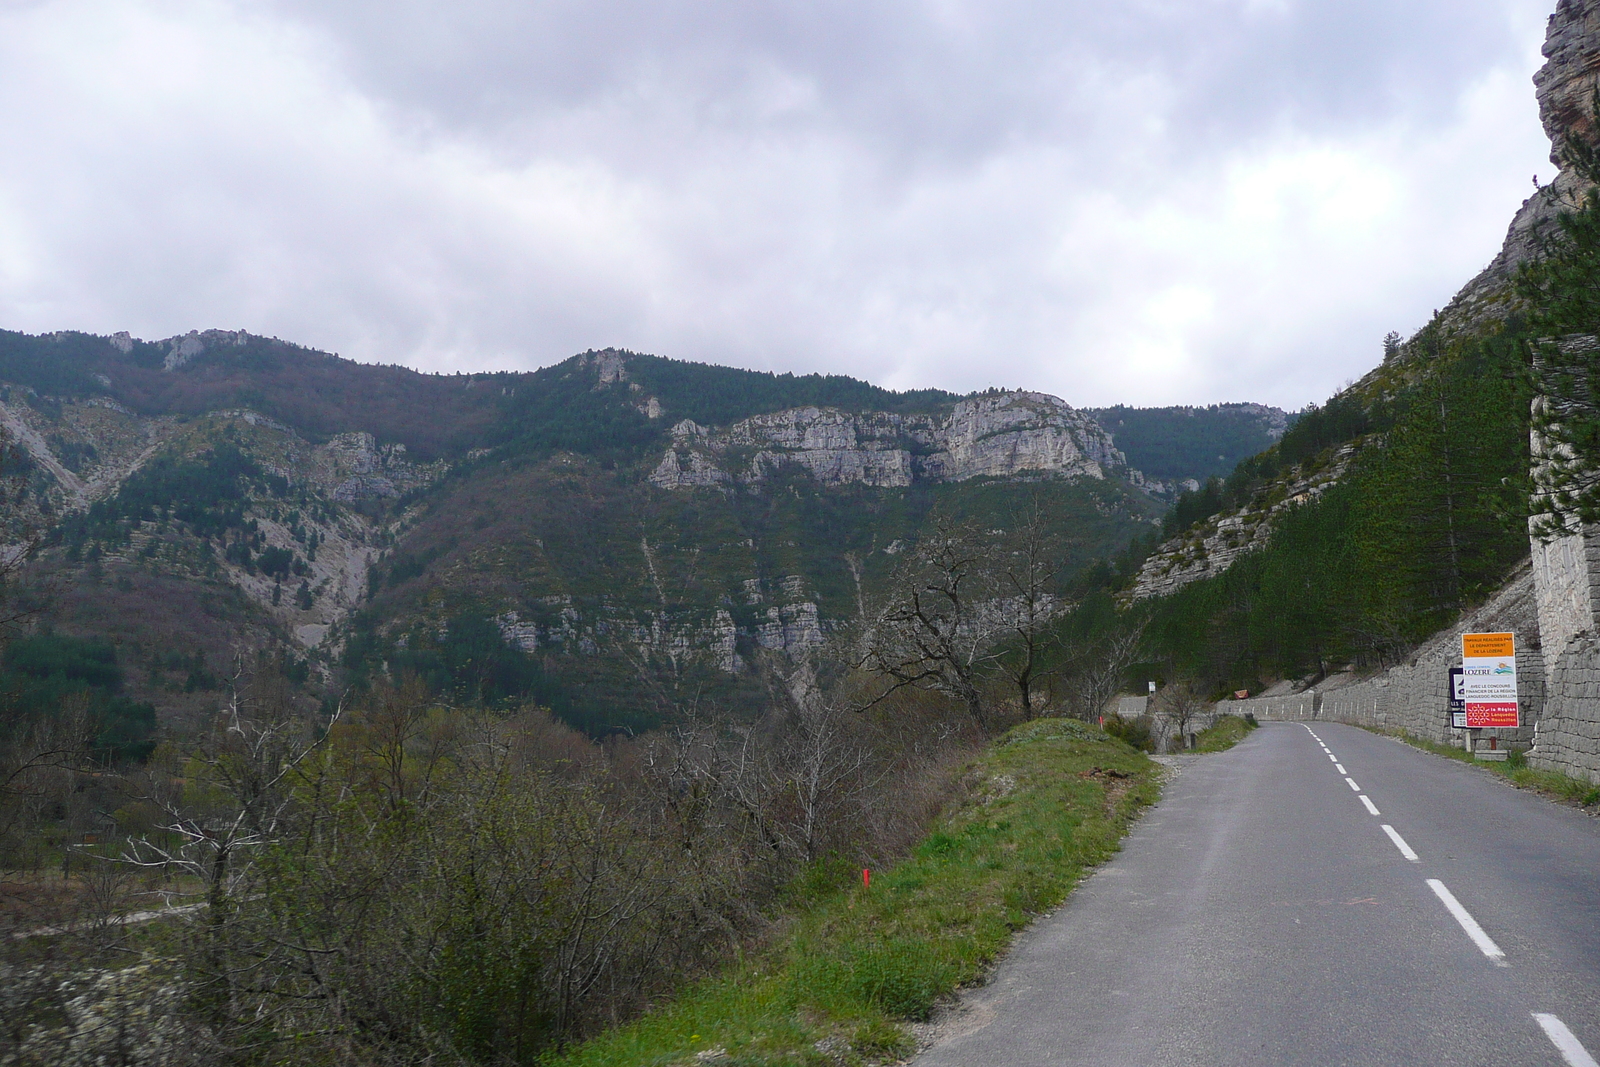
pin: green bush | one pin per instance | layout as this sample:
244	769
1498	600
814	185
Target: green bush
1223	734
1133	732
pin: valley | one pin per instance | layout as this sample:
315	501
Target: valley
623	557
639	710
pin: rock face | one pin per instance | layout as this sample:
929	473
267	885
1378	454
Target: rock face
1567	81
1565	87
1211	547
371	471
996	435
185	347
85	449
793	625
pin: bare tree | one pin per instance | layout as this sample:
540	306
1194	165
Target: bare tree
1181	703
39	760
237	799
823	764
1027	602
1104	664
931	630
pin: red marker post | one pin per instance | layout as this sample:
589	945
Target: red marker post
866	878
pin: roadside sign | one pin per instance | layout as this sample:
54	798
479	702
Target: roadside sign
1489	680
1458	703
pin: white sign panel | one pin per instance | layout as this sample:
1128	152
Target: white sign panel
1489	680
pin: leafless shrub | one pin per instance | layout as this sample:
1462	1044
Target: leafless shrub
40	758
1102	666
418	883
929	630
1181	704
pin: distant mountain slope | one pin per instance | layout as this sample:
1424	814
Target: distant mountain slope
315	393
1174	444
433	415
223	497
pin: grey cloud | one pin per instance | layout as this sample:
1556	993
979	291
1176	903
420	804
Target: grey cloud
1147	201
956	77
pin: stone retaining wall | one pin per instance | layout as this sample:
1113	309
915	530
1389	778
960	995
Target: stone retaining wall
1412	696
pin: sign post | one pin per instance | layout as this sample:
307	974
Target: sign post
1489	680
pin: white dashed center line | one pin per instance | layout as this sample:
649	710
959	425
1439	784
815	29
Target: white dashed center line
1570	1047
1400	843
1484	942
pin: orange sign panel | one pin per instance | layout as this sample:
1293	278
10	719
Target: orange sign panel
1475	646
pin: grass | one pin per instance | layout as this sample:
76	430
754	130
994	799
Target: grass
1223	734
1044	803
1515	767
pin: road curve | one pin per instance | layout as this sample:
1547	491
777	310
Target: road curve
1268	911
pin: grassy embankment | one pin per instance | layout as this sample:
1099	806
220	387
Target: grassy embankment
1553	784
1223	734
1044	803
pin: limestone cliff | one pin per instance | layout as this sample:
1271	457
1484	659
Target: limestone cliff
998	435
1210	547
83	450
1565	86
788	621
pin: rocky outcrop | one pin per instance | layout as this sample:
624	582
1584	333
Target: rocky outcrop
994	435
84	449
185	347
1565	87
792	626
1566	83
373	471
1211	547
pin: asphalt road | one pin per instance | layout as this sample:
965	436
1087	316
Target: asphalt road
1262	914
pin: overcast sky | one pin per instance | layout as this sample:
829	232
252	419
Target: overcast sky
1143	201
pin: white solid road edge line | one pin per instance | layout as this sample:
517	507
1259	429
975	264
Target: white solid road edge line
1400	843
1570	1047
1371	807
1484	942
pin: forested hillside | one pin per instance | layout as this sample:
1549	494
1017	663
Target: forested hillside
434	415
1176	444
1426	516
